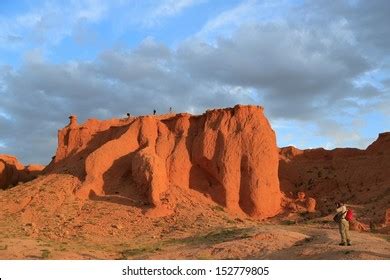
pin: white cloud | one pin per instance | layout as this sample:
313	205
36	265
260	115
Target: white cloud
48	23
34	56
246	12
40	95
341	135
300	80
166	9
304	71
229	19
90	10
172	7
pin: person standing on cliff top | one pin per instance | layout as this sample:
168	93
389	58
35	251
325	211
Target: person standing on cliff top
343	224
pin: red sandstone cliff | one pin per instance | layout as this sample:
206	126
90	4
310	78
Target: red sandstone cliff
12	171
229	155
356	177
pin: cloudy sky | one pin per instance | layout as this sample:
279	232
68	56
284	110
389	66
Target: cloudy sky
320	68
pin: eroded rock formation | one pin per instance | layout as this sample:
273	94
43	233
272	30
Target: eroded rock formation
302	204
356	177
229	155
12	171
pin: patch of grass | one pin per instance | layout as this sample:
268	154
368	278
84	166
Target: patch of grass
214	237
159	223
303	241
125	254
218	208
211	238
229	221
317	222
385	237
44	243
45	254
62	249
204	257
287	222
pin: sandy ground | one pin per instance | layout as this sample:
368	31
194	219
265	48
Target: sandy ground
42	219
254	242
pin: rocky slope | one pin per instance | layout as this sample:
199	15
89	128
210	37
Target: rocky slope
359	178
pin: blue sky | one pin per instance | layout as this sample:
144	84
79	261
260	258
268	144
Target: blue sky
320	69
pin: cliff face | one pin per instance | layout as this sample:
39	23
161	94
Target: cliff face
229	155
350	175
12	171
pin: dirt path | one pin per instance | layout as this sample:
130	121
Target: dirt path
322	243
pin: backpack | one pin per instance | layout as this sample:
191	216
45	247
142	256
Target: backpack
337	217
349	215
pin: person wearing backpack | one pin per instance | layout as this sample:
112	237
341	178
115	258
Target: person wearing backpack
343	223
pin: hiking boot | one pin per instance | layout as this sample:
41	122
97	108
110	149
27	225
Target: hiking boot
342	244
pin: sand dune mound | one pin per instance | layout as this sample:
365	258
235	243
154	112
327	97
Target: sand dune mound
47	208
229	155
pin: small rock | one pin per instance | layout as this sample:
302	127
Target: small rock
117	226
60	216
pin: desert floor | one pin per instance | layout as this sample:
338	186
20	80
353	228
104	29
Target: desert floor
262	241
43	220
